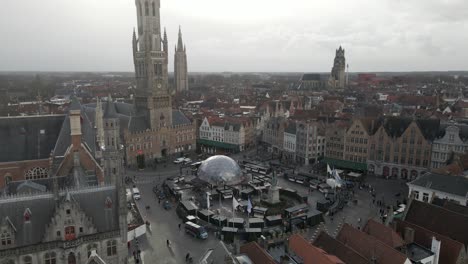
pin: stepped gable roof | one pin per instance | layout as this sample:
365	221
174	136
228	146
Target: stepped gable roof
456	185
28	137
335	247
383	233
439	220
369	246
310	253
43	206
256	253
449	248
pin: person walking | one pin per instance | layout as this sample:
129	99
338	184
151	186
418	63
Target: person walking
179	226
187	257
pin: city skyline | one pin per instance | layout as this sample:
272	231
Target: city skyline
298	38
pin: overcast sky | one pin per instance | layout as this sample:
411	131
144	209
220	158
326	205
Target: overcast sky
240	35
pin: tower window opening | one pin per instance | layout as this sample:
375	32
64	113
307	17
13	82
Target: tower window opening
154	9
146	9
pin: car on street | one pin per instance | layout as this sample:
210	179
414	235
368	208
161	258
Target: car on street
187	160
179	160
136	194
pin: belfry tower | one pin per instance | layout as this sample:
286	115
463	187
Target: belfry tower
180	65
150	56
339	67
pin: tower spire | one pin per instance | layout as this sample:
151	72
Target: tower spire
180	44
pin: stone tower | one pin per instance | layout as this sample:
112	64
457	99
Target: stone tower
99	124
180	66
339	67
150	57
111	154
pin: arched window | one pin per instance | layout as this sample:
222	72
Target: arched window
8	178
36	173
139	8
27	260
146	9
154	9
50	258
5	238
111	248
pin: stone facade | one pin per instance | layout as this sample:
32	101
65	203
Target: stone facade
452	141
273	134
402	147
180	66
338	77
310	141
217	136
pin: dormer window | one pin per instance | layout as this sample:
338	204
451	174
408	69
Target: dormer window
5	238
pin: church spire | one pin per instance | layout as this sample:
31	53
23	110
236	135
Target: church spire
180	44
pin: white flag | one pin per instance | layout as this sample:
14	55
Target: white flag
249	206
329	169
235	203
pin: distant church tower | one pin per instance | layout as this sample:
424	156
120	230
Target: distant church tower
180	66
150	56
338	74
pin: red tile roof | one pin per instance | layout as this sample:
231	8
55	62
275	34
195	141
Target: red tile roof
449	248
309	253
383	233
439	220
335	247
369	247
256	253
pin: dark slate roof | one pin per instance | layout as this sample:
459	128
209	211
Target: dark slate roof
30	184
335	247
456	185
109	110
21	137
178	118
311	77
64	139
75	104
138	123
438	220
429	128
395	126
291	128
42	207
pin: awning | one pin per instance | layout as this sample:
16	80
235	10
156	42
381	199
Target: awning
354	174
217	144
346	164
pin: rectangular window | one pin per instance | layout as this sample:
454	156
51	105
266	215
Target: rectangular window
416	195
425	197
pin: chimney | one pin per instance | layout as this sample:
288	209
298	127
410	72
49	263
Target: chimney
408	235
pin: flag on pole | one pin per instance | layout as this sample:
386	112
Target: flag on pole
234	206
249	206
329	169
235	203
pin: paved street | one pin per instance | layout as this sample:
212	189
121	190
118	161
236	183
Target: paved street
164	223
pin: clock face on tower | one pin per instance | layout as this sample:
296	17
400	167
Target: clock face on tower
159	85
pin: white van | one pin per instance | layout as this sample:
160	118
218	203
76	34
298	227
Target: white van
136	194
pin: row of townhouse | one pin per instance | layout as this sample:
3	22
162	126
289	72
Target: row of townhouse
394	146
296	141
231	135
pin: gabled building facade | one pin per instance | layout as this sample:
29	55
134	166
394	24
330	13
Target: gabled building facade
401	147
